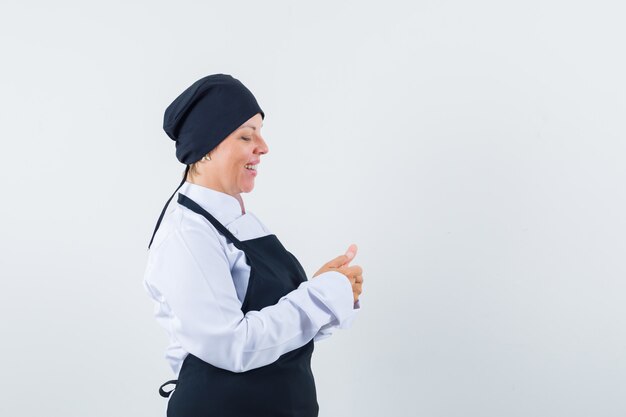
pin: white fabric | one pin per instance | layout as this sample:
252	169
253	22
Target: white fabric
198	280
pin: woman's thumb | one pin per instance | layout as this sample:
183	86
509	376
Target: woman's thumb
344	259
351	253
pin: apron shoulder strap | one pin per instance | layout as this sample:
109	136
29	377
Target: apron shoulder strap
195	207
165	207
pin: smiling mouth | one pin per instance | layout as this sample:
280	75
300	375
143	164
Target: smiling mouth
251	169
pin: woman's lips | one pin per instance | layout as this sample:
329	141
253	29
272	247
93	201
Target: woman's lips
251	171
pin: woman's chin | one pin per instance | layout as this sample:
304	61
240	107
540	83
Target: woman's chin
247	187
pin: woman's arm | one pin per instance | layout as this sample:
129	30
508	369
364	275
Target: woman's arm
327	330
191	274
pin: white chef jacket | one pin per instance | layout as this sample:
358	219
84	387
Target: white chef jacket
198	281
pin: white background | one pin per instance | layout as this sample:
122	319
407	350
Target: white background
473	150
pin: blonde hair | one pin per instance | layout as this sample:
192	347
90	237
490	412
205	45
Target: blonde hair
193	169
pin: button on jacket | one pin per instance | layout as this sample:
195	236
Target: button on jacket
198	281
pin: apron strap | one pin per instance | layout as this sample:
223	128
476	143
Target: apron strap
166	394
195	207
165	207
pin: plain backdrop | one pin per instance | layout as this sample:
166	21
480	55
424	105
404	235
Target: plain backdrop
474	151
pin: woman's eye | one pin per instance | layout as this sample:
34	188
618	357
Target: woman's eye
244	138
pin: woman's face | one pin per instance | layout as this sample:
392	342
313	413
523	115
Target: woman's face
226	171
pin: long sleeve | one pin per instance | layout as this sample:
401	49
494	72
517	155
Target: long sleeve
327	330
191	277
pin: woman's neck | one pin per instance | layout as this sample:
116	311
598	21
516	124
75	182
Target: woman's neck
214	187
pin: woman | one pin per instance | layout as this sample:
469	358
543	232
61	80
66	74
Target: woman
240	314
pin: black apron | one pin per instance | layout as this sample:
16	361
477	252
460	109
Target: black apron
285	388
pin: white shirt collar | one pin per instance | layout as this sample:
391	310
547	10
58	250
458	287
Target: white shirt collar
224	207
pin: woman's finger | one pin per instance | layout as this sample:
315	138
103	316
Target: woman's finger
337	262
351	270
350	253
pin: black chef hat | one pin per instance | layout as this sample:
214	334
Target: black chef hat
202	116
205	113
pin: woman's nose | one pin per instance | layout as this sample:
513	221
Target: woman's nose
263	148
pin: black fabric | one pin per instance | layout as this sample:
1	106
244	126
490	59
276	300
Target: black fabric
285	388
165	207
162	392
206	113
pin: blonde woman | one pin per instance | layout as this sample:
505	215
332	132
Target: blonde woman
240	313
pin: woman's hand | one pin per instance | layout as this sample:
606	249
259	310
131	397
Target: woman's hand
354	273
